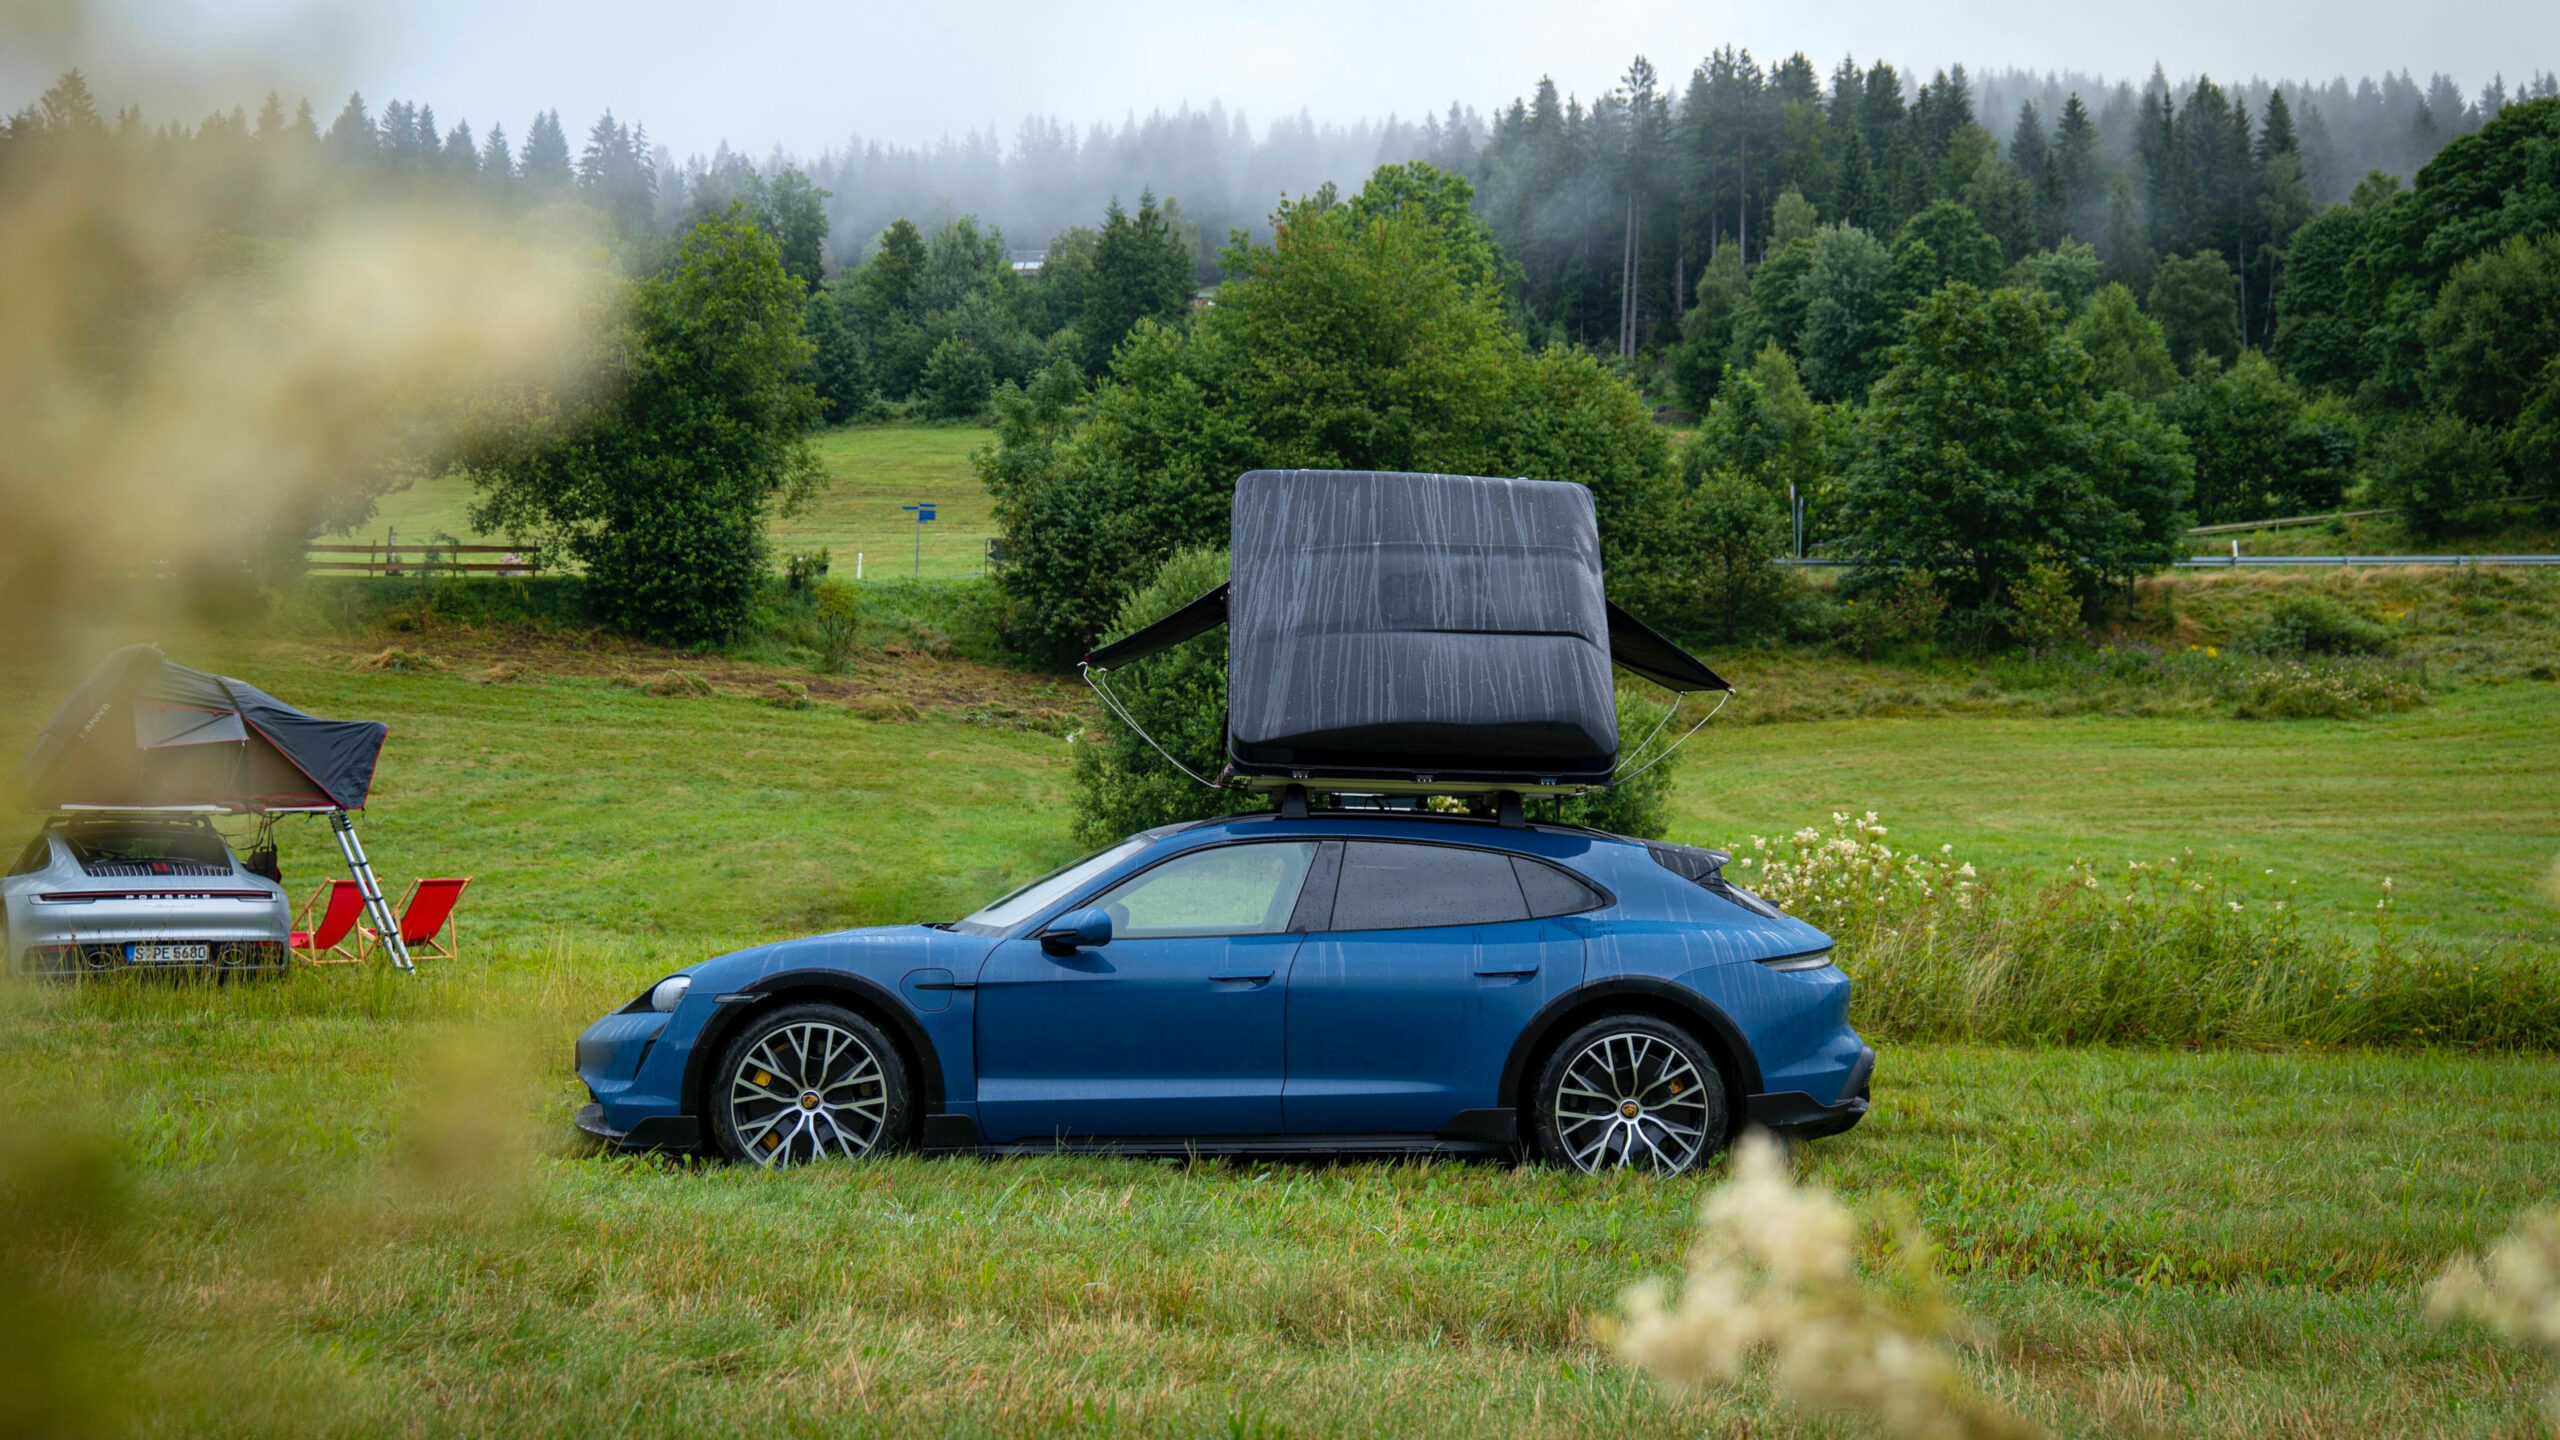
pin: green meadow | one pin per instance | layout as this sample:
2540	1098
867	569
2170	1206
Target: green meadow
351	1203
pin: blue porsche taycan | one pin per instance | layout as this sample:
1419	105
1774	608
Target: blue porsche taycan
1348	981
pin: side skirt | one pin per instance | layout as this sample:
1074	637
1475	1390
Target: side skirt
958	1135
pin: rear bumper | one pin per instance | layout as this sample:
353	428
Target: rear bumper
224	955
1799	1116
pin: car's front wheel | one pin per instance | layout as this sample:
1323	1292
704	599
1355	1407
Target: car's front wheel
1629	1091
809	1082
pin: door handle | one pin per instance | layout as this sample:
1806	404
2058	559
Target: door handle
1507	971
1262	974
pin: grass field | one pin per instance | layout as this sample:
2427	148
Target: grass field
2458	803
346	1207
871	471
349	1204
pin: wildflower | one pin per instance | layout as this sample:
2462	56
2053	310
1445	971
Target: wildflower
1773	1270
1965	869
2235	906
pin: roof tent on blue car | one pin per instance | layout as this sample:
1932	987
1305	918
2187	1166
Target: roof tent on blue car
1396	632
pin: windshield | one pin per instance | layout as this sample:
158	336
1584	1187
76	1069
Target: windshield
1031	899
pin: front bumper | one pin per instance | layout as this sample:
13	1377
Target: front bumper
655	1132
1799	1116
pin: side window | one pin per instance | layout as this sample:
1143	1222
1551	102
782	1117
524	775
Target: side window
1551	891
1389	886
1228	890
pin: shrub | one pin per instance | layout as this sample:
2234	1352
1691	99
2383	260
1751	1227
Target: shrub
1179	696
837	617
802	569
2303	622
1723	573
1907	611
2434	468
1640	806
2294	691
2044	611
958	379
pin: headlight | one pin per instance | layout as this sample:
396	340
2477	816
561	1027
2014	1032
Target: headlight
1813	961
669	992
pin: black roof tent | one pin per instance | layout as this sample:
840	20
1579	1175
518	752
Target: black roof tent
142	733
1399	632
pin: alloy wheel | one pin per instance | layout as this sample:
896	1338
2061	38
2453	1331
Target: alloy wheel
1632	1099
809	1090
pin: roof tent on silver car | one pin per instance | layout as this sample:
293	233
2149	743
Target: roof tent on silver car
143	733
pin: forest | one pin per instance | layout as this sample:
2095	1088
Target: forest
2246	301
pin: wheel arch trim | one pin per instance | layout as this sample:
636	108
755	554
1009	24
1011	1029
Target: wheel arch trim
1713	1026
782	988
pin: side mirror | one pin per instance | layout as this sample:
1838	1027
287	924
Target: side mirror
1076	930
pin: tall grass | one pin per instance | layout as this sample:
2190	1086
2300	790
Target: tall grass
2168	953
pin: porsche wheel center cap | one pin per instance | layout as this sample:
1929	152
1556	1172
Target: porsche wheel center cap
809	1100
1631	1109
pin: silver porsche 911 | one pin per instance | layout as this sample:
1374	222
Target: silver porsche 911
105	893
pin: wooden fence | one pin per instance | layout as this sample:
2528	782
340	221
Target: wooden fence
426	558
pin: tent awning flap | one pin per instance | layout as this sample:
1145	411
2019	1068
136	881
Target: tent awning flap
142	733
1199	617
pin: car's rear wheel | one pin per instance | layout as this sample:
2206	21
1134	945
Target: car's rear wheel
809	1082
1629	1091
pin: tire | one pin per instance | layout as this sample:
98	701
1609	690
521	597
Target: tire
1629	1092
805	1083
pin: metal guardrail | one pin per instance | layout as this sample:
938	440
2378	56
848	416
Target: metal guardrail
2243	527
2271	562
2252	562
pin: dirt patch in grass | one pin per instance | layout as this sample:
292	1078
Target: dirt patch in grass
896	684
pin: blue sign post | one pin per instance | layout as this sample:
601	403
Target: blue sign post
924	514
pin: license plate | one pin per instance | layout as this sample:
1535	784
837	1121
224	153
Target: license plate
195	954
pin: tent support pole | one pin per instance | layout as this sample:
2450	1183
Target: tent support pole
385	923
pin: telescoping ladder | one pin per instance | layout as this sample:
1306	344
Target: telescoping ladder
385	924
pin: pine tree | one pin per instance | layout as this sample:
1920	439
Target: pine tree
271	121
461	152
2275	132
1140	272
546	156
2027	149
1854	197
69	108
351	135
497	162
306	126
890	275
2075	157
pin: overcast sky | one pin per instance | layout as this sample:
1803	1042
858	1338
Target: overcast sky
804	74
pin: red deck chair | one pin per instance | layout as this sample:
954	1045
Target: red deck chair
426	913
337	903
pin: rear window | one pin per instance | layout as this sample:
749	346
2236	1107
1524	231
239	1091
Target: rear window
146	845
